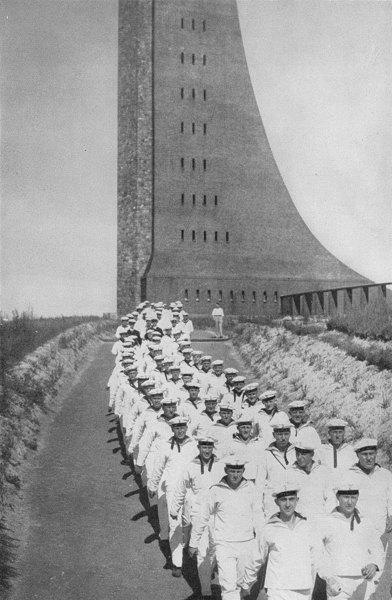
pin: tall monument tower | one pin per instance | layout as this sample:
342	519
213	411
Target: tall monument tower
203	212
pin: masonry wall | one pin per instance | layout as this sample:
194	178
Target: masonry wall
224	226
135	149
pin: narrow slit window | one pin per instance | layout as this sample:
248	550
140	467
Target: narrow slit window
204	95
227	236
205	236
205	129
193	128
182	126
193	24
204	25
193	235
231	296
182	23
204	164
204	59
186	295
216	201
265	297
208	295
182	58
193	59
242	296
204	200
193	93
197	295
253	296
275	296
216	236
182	163
182	198
193	164
220	295
193	199
182	93
182	235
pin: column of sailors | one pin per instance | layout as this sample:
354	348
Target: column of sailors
243	485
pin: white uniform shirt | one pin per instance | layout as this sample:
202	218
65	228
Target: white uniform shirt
375	494
348	546
143	419
170	460
196	480
236	513
290	553
315	496
155	433
345	457
250	450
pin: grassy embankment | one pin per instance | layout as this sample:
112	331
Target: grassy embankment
29	391
336	373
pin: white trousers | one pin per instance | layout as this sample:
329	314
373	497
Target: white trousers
232	558
206	560
163	514
354	588
274	594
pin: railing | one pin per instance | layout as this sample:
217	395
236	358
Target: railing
332	301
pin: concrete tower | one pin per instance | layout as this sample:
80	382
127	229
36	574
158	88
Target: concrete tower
203	212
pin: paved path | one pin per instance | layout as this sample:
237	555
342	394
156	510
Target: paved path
89	537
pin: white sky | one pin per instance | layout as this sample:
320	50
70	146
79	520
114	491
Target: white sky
322	77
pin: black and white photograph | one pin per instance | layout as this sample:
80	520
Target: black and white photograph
196	300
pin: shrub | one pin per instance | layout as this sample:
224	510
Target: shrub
373	321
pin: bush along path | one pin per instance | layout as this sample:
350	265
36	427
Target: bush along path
30	394
332	382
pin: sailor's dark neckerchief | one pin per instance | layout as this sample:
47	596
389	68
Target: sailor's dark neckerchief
203	464
175	441
354	518
284	453
225	424
210	415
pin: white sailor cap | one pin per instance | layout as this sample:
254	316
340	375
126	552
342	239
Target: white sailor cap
193	383
187	371
129	315
245	418
124	318
280	421
197	352
179	421
226	405
169	400
205	440
217	363
365	444
159	358
131	319
287	488
131	367
251	387
238	379
336	424
186	350
347	485
296	404
140	306
305	440
185	343
268	395
168	360
141	375
185	314
174	367
149	383
235	461
156	391
127	361
230	371
210	397
206	357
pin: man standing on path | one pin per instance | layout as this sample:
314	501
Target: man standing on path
217	315
235	507
286	542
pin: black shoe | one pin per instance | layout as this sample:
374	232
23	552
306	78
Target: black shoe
176	572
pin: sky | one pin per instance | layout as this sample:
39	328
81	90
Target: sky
322	75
